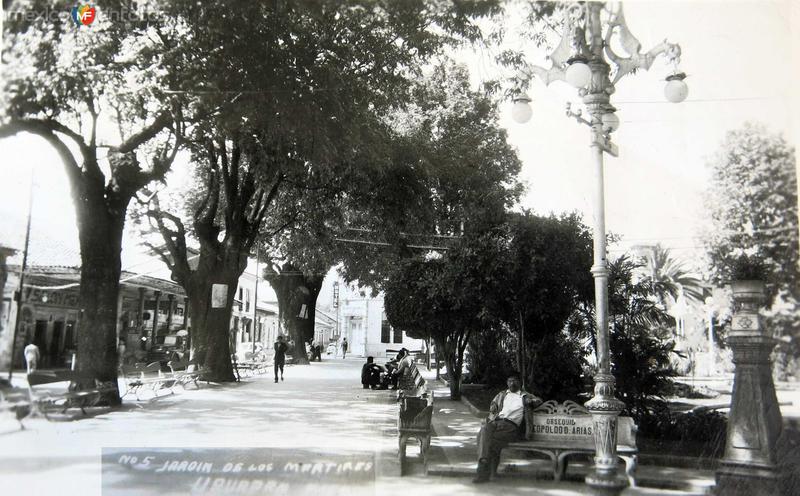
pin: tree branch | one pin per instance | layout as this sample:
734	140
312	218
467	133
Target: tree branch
46	130
204	216
163	120
175	240
94	114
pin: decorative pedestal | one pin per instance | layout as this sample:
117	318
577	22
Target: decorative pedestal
749	466
605	408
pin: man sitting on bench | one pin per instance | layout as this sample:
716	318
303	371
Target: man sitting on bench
506	423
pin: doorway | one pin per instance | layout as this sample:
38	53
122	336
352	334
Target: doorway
55	344
40	340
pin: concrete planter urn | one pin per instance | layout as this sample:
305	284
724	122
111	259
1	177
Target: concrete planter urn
748	290
749	466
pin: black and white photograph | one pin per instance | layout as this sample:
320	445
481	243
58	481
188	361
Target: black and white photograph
399	247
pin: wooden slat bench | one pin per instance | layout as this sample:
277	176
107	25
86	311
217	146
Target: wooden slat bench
76	394
415	415
411	383
562	430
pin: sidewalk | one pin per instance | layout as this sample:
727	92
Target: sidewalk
320	410
454	445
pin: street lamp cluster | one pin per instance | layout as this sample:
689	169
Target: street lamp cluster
586	60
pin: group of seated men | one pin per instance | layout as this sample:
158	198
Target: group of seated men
387	376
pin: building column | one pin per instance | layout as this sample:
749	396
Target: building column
140	314
171	298
154	330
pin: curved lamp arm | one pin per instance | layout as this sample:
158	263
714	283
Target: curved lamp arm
631	45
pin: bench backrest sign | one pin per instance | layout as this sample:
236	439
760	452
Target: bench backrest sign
570	422
578	427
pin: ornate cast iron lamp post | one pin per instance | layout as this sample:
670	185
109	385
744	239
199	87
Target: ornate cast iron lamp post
584	58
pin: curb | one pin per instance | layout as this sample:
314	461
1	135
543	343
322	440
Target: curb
511	470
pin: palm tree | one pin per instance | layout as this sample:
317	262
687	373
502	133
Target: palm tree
671	278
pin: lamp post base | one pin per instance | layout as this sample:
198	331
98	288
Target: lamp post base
606	484
605	408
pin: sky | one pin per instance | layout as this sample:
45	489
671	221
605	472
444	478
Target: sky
742	61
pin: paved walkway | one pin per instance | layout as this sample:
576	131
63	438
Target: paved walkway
454	446
319	411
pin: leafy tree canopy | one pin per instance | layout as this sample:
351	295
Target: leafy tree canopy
753	205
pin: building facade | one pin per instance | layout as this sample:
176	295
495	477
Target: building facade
362	320
149	308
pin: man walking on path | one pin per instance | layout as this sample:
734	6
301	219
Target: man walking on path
506	423
280	356
344	348
31	353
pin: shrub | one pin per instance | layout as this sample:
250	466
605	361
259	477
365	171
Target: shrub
490	358
708	428
641	364
556	370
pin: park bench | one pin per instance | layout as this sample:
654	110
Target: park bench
415	414
185	372
562	430
77	394
15	401
140	377
247	368
411	383
253	367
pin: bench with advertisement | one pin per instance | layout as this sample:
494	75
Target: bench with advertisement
562	430
415	414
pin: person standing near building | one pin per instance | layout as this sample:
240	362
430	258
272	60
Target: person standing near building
280	356
344	348
31	353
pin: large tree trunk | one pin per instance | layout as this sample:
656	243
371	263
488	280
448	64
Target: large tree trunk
218	334
199	303
454	374
294	291
101	204
211	327
247	197
449	350
100	223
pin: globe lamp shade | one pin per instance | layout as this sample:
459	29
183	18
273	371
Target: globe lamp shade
578	74
611	121
521	112
676	89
